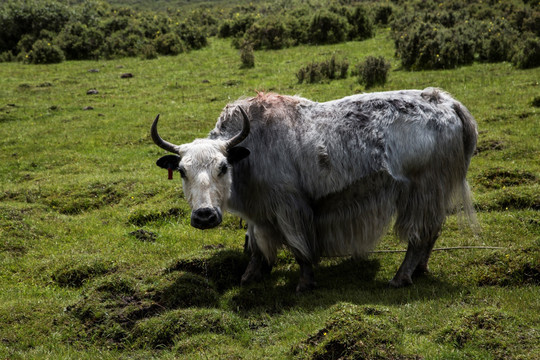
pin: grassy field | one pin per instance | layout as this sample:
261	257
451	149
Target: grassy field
97	258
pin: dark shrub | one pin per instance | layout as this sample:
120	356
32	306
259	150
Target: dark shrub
328	28
43	52
428	46
237	26
361	27
246	56
149	52
373	71
191	35
30	17
169	44
270	33
527	54
383	14
78	41
496	41
329	69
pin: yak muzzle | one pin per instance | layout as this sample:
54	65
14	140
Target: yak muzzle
206	218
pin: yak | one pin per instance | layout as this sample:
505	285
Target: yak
327	179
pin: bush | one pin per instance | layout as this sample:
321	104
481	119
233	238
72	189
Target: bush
247	57
191	35
148	52
361	27
373	71
270	33
79	42
426	46
328	28
43	52
169	44
528	54
383	14
326	70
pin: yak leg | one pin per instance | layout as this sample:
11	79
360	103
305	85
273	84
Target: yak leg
256	269
258	265
416	260
307	277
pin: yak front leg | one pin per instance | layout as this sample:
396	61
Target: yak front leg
258	266
307	277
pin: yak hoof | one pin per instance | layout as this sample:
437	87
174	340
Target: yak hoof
421	270
250	277
400	281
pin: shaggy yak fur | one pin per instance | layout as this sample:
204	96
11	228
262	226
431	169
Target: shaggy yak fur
327	179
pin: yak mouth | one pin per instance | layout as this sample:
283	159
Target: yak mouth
206	218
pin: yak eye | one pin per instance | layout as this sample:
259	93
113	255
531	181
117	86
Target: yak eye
182	172
223	169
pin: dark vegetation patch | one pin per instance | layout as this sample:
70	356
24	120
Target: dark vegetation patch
326	70
142	217
164	330
490	145
498	178
489	329
355	332
520	267
224	268
75	274
144	235
91	197
514	197
536	101
113	305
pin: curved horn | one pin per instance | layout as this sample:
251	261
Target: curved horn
159	141
238	138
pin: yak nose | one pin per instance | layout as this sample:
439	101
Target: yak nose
205	218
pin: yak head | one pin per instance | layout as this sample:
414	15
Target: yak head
205	168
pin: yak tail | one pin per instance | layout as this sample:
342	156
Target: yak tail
470	136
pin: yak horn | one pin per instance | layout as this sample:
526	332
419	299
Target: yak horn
159	141
237	139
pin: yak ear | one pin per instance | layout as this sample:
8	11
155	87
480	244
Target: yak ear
237	153
168	162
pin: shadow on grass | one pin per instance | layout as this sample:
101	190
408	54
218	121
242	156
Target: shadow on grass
344	280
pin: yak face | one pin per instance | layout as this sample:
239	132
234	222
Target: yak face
205	167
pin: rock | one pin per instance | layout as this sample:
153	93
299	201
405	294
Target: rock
92	92
126	76
88	108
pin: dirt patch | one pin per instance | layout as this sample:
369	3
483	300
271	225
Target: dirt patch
355	332
144	235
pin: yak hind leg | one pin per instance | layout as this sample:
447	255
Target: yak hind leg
416	260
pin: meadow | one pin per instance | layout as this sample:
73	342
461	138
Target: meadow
98	260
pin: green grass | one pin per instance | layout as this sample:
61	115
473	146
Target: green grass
77	185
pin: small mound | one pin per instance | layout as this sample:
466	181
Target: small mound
75	274
498	178
354	332
224	268
164	330
141	218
